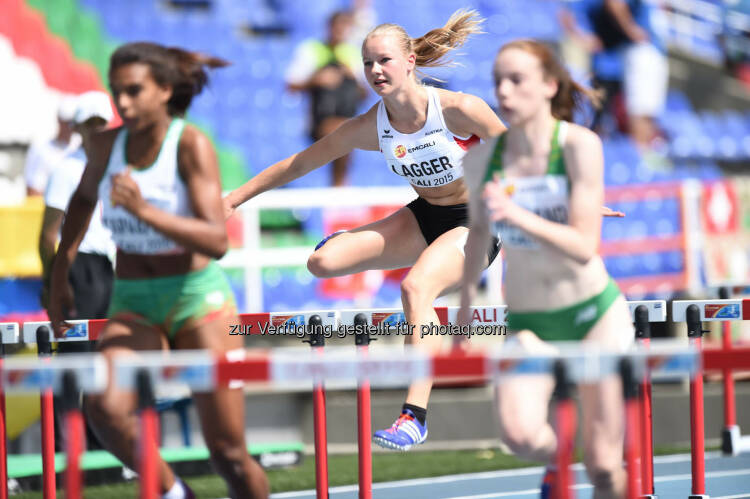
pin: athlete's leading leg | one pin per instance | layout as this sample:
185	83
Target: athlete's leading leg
113	412
391	243
222	413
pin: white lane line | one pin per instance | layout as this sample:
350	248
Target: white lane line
489	475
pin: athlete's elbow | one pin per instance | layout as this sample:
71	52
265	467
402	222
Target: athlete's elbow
217	252
219	246
586	252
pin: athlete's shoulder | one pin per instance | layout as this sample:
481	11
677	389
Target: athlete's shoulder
364	121
108	135
579	138
582	151
459	102
194	140
467	114
102	144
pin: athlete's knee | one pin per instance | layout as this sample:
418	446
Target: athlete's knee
100	410
605	470
415	292
320	265
520	443
227	454
520	436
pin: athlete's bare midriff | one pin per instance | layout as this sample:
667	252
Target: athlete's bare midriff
445	195
136	266
544	279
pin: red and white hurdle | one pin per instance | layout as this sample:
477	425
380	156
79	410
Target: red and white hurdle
277	368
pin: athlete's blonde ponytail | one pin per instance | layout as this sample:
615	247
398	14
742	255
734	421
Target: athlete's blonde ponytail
432	47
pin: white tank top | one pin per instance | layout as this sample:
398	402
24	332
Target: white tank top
431	157
160	185
546	195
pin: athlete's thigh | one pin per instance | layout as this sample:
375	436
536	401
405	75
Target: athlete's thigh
441	265
210	333
122	337
524	399
603	419
221	410
614	330
393	242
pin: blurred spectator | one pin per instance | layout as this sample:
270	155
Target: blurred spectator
735	40
627	58
42	157
329	71
91	275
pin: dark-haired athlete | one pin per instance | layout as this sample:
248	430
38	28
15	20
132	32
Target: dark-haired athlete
159	182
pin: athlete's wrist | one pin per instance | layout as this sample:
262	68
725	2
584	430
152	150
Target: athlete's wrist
514	214
140	209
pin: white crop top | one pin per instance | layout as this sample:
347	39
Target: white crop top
160	185
431	157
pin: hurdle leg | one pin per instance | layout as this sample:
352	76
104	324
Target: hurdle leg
148	451
364	422
317	342
632	439
730	434
647	439
44	349
697	436
643	337
75	438
565	420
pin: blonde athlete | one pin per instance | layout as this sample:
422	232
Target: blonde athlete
557	288
423	134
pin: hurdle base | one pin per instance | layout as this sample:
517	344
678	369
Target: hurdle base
699	496
730	440
649	496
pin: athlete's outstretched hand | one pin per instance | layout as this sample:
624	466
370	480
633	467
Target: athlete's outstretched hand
609	212
60	299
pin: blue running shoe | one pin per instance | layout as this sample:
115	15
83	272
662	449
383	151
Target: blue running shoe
548	484
321	243
403	434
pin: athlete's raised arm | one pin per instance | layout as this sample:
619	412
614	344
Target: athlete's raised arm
356	133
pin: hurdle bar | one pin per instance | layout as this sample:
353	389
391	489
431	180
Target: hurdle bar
339	366
277	367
